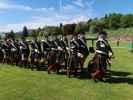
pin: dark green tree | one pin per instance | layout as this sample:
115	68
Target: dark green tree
127	21
34	33
12	34
25	32
114	21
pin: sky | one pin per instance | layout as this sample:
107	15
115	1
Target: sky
15	14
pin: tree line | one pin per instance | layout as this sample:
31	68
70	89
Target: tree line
109	21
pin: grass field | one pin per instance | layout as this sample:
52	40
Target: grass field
23	84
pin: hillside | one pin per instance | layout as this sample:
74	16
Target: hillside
122	33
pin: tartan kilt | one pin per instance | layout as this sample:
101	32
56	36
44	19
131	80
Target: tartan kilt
73	61
51	58
14	55
35	57
60	57
98	65
24	55
102	61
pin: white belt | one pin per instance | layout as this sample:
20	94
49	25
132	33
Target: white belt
101	52
13	49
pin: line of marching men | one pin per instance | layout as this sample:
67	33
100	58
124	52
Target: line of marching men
56	53
53	49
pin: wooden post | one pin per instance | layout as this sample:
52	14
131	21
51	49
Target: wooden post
118	41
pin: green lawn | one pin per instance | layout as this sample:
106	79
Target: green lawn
24	84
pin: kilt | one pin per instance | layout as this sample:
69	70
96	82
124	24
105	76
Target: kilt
98	65
24	54
60	57
14	55
35	57
102	61
51	57
73	61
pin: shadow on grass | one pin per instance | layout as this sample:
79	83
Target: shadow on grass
84	74
112	77
118	73
118	77
128	80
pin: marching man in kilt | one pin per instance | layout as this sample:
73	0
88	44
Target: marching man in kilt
35	52
52	55
13	50
102	57
24	51
104	49
46	48
83	51
73	63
